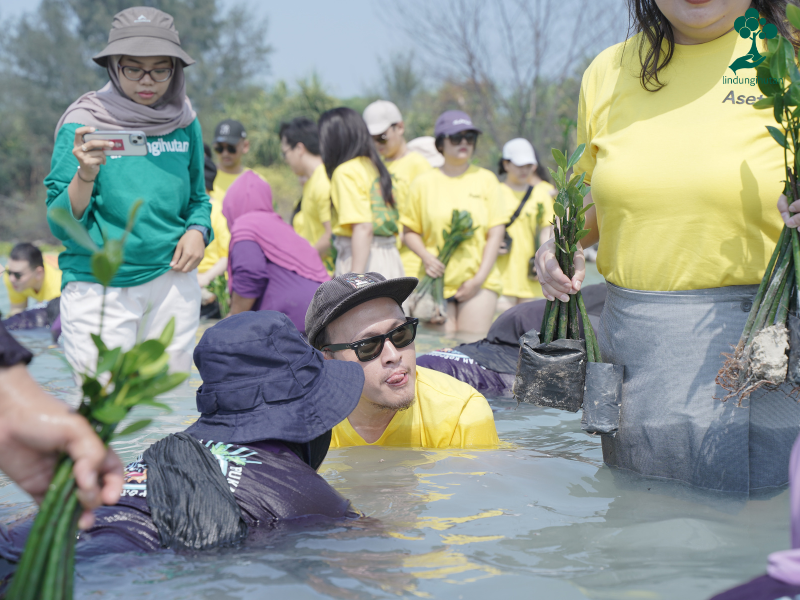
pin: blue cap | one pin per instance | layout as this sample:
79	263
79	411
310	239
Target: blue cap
453	121
261	380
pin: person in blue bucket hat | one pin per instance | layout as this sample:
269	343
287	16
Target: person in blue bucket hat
268	403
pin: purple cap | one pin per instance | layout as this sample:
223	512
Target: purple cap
453	121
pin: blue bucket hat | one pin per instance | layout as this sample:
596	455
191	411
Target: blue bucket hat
261	380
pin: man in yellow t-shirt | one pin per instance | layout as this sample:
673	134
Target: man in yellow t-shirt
385	124
28	276
300	148
358	318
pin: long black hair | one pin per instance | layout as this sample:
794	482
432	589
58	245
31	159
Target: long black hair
343	136
646	18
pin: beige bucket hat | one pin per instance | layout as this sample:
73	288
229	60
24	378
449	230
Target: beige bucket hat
143	31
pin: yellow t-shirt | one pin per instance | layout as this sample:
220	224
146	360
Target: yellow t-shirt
514	265
51	287
432	199
447	413
356	197
404	171
315	206
219	246
686	179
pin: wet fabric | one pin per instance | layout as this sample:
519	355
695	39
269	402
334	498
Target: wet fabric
253	275
761	588
785	566
46	315
466	369
446	413
270	483
673	424
189	499
11	352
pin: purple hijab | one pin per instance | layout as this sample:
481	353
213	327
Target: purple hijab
248	209
785	566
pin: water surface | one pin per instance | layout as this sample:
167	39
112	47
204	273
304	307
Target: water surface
539	518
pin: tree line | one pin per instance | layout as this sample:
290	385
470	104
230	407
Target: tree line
514	65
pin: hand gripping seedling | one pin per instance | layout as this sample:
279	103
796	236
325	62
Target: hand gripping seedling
120	381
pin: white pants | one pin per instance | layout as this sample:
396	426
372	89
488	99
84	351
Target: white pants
131	314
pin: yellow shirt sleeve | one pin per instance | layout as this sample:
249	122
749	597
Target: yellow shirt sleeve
476	425
350	194
411	215
321	194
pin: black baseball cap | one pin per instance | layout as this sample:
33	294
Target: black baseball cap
230	132
335	297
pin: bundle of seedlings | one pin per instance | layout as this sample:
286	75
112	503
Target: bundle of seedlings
427	302
552	369
760	357
219	287
120	381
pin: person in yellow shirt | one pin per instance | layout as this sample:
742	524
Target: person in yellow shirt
682	255
230	144
27	275
472	282
215	258
358	318
385	124
529	202
300	148
365	218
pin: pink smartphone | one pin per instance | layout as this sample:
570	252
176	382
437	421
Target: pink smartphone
126	143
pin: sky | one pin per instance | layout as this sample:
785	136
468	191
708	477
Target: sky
341	40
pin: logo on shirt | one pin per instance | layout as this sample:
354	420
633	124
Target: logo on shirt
158	146
231	463
142	19
752	26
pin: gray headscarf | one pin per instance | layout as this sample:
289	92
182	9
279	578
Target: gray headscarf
138	31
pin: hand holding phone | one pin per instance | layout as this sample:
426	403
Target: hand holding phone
124	143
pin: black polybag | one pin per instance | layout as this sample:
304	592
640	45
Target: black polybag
602	398
793	374
550	375
190	500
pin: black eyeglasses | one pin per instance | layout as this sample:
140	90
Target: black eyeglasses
469	136
381	139
137	74
371	347
220	148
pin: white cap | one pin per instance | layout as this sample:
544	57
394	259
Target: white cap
380	115
426	146
520	152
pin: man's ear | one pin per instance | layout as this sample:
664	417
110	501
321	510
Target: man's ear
245	146
39	270
327	355
401	128
302	146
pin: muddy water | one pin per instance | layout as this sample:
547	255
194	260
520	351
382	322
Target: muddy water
539	518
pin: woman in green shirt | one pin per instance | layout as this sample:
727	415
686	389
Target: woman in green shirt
158	281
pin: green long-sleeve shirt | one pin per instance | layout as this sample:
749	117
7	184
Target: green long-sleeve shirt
169	179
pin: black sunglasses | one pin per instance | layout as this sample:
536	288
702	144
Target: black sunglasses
220	148
381	139
371	347
469	136
15	274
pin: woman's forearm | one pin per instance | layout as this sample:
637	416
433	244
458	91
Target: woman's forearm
240	304
493	241
204	279
361	243
323	245
414	242
80	194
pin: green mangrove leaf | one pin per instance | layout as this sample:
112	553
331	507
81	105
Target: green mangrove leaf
91	388
581	234
778	136
101	347
767	102
166	336
778	108
168	382
559	210
772	45
102	269
560	159
109	414
576	156
573	249
793	15
778	63
77	232
585	208
132	218
152	369
136	426
154	404
764	84
108	360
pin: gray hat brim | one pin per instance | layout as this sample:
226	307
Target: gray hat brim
397	289
142	46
